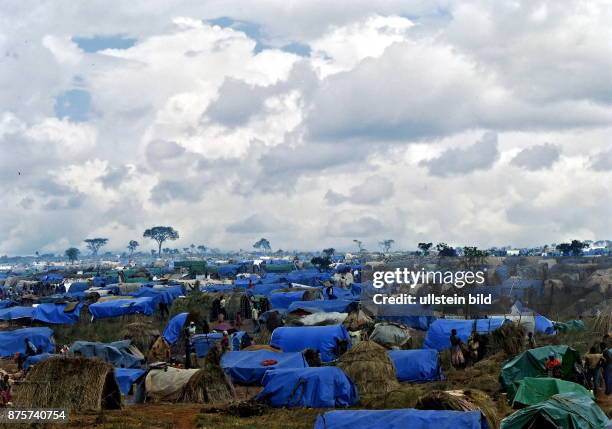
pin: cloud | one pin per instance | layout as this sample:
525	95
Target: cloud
365	226
537	157
601	161
373	190
255	224
186	113
458	161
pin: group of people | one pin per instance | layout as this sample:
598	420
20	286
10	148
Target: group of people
463	355
598	365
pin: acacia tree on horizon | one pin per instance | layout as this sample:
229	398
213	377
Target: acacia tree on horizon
94	244
72	254
160	234
133	244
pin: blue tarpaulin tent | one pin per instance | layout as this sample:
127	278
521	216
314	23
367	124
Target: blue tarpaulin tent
322	387
322	338
416	366
401	419
121	307
31	360
166	294
119	353
282	300
174	328
544	325
78	287
16	313
12	342
320	306
54	313
438	334
4	303
342	293
311	277
203	342
248	368
266	288
218	288
126	377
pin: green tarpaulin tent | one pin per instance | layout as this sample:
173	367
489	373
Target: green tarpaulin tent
565	411
570	326
531	364
531	390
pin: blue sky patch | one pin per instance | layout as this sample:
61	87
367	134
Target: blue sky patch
99	43
74	104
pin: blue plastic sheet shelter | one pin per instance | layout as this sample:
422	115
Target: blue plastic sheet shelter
118	353
5	303
544	325
282	300
266	289
311	277
321	306
166	294
121	307
174	328
438	334
56	314
400	419
16	313
248	368
322	387
322	338
416	366
78	287
126	377
203	342
31	360
12	342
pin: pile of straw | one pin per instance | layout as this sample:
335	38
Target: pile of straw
255	347
210	385
458	400
142	334
160	351
357	320
75	384
510	337
368	365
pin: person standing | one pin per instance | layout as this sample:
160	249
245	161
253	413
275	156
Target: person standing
531	342
593	362
457	358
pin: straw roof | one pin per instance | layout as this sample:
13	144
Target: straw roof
458	400
368	365
73	383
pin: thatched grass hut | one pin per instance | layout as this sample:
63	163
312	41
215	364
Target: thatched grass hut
510	337
142	334
160	351
210	385
368	365
460	400
72	383
206	306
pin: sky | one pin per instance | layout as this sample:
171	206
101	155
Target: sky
310	123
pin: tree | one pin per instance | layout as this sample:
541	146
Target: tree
474	255
133	244
202	248
263	244
160	234
321	262
72	254
94	244
425	247
329	252
359	244
386	245
445	250
574	248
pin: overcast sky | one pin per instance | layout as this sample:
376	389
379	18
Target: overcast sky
310	123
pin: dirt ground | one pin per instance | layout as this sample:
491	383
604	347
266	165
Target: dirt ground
186	416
